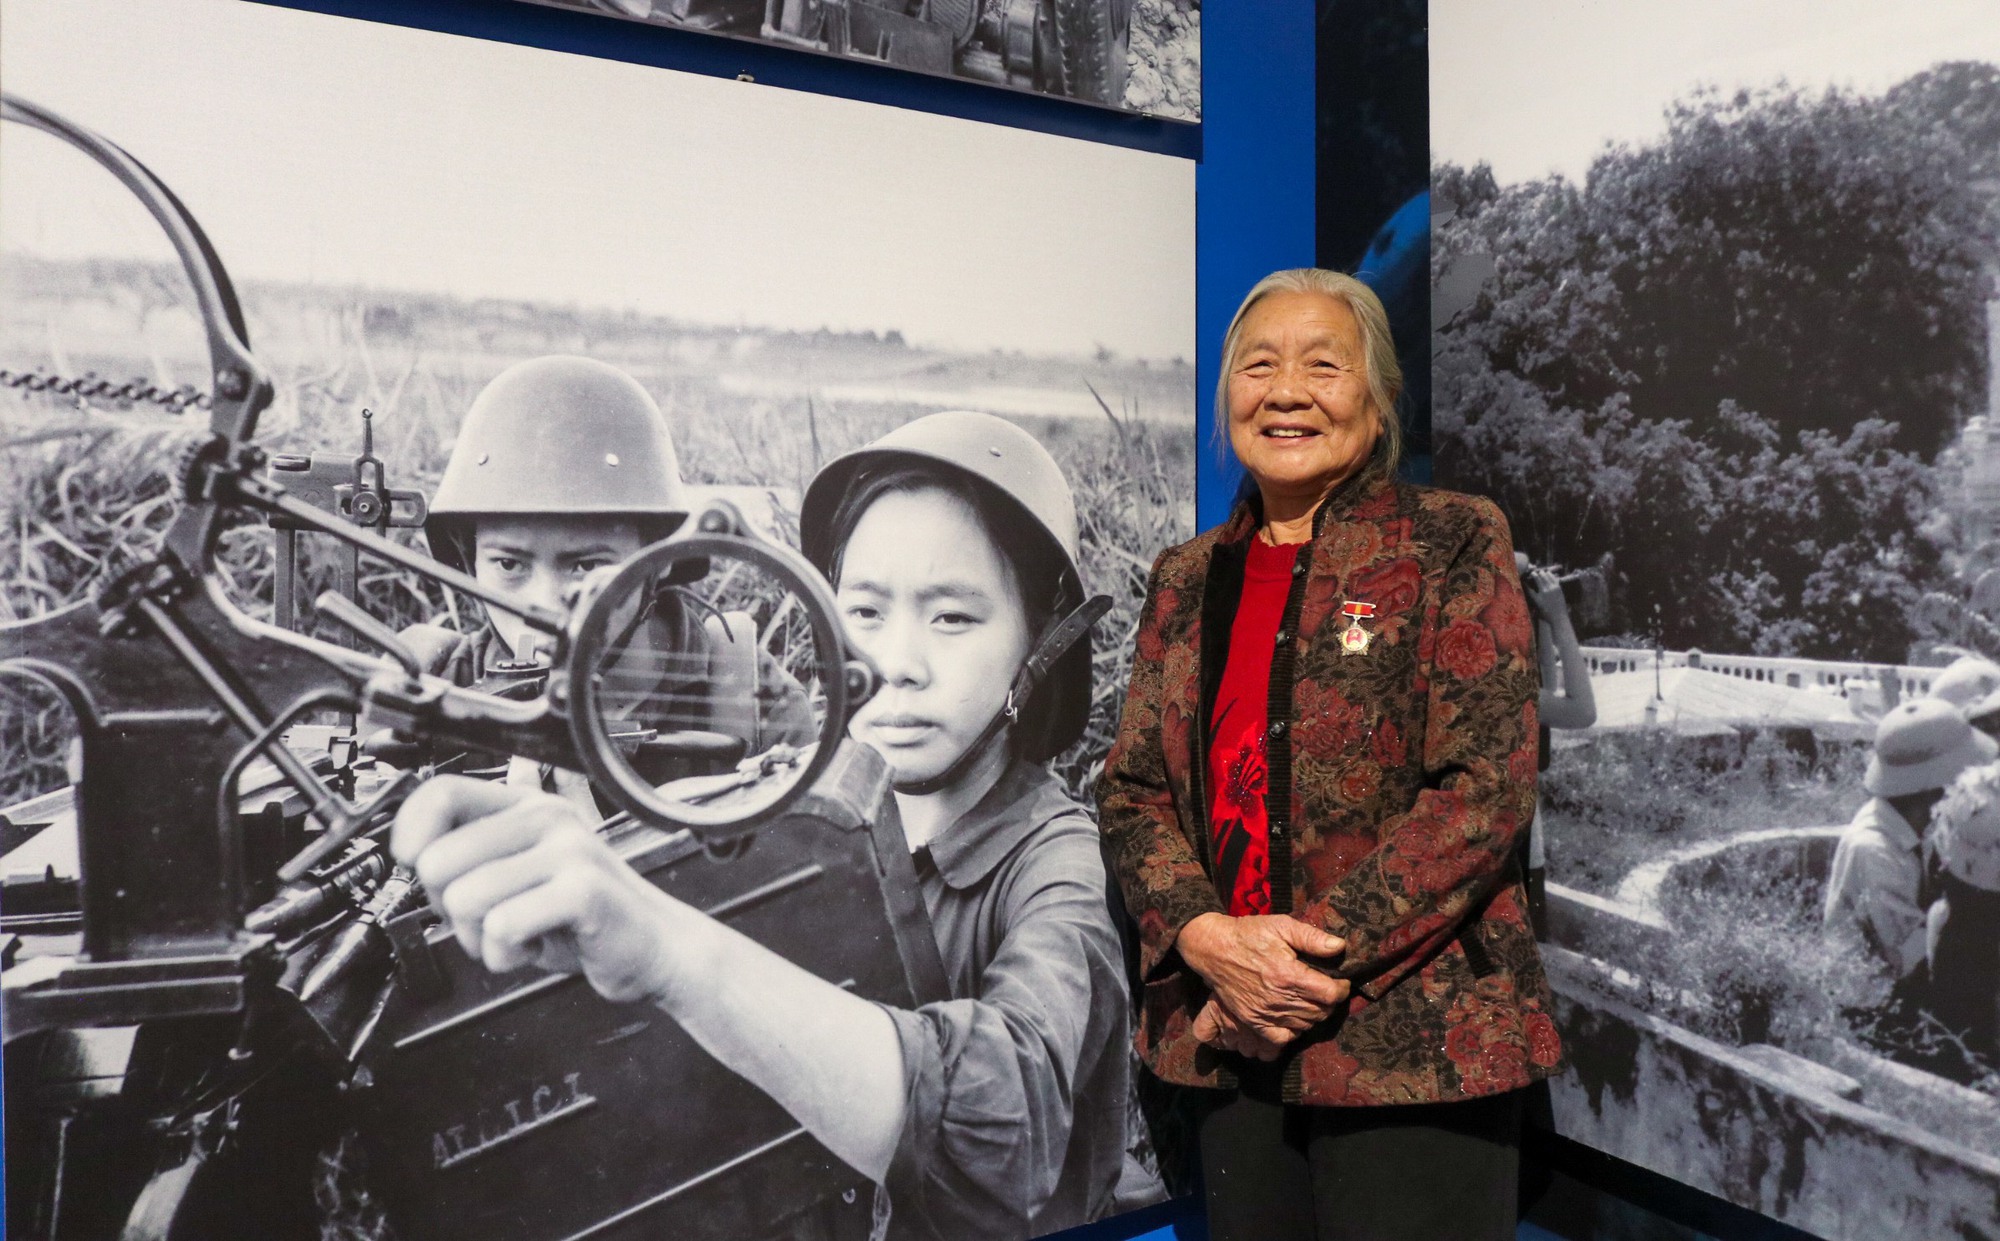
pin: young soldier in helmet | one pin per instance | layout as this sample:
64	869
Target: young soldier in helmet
986	668
1003	1112
564	465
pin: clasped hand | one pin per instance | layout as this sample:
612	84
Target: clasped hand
522	880
1265	995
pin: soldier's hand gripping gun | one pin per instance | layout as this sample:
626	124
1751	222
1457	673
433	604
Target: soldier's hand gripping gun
233	971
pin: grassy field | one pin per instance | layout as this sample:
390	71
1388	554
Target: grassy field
86	485
1622	800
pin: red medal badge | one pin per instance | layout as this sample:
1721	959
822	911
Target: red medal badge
1354	639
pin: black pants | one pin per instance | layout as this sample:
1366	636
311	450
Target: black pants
1421	1172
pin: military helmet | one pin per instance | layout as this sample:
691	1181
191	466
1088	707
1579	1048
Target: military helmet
1009	463
558	435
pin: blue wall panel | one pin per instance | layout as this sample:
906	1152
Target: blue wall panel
1254	190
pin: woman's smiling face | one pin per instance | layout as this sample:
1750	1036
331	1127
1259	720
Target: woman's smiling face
1301	418
925	594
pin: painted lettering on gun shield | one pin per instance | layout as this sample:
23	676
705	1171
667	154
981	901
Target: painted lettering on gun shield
532	1109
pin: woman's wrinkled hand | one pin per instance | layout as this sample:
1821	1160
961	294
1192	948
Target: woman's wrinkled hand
521	880
1215	1026
1266	995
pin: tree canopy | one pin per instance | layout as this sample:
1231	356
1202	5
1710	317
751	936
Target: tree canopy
1729	358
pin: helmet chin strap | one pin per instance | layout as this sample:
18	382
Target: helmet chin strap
1060	634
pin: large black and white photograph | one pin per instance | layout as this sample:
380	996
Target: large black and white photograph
560	622
1139	56
1716	322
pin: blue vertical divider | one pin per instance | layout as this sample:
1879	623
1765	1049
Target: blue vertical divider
1254	195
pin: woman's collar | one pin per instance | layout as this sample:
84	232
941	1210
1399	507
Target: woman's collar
1026	797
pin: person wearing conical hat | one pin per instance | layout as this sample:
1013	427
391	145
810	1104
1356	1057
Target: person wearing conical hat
1965	681
1875	892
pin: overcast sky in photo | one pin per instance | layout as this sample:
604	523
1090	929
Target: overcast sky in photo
325	149
1540	86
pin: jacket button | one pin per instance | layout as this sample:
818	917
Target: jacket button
1299	567
1277	728
1283	636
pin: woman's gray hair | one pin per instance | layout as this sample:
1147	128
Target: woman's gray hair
1378	351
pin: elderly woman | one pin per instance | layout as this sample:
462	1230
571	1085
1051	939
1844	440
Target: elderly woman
1326	761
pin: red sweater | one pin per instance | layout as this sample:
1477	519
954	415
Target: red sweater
1239	734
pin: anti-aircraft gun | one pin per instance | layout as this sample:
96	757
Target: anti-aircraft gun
238	972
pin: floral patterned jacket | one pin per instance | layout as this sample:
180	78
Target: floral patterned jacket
1410	768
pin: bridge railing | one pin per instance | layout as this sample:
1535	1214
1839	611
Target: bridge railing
1831	676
